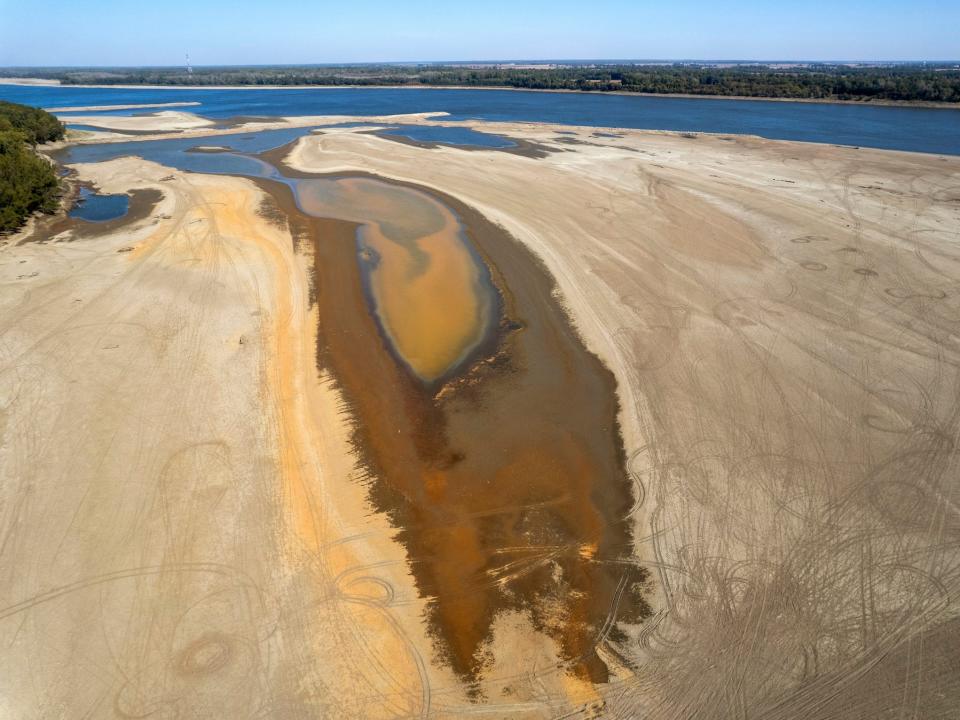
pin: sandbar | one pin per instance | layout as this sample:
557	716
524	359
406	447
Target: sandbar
189	524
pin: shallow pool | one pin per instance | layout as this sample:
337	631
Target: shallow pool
93	207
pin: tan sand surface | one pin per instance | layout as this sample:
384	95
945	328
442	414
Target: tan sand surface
190	125
27	81
182	536
100	108
784	323
164	120
182	531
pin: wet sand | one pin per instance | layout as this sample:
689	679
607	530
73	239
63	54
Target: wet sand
506	483
429	291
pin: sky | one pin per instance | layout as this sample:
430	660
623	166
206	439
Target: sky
220	32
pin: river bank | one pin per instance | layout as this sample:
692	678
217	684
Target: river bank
882	127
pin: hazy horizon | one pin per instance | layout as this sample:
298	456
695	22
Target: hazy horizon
109	33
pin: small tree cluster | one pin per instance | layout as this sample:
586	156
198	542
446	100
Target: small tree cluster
28	183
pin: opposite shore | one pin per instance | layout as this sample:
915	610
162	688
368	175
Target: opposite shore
37	82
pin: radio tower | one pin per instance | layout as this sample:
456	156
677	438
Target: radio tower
189	69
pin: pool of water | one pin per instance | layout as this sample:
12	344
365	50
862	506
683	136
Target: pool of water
444	135
899	128
93	207
431	294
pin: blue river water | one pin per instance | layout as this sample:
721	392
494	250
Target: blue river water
931	130
181	153
94	207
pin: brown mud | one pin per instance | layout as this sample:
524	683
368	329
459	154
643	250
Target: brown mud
507	485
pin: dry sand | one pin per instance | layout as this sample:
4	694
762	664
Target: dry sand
101	108
783	322
180	533
27	81
162	121
160	125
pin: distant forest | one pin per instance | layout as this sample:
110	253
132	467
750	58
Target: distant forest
900	82
28	183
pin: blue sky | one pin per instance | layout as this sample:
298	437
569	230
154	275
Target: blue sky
105	32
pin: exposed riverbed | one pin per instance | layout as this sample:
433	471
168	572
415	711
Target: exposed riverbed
228	495
488	432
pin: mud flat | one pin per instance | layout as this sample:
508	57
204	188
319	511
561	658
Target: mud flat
503	473
224	495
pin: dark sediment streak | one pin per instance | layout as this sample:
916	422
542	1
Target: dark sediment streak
507	485
506	480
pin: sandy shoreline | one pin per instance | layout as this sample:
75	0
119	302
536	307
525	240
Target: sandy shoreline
162	121
183	124
100	108
781	321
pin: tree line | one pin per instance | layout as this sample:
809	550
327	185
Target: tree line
907	82
28	182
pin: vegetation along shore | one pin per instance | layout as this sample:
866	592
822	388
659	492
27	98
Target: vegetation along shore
901	82
28	182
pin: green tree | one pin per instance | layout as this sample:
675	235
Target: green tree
28	182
